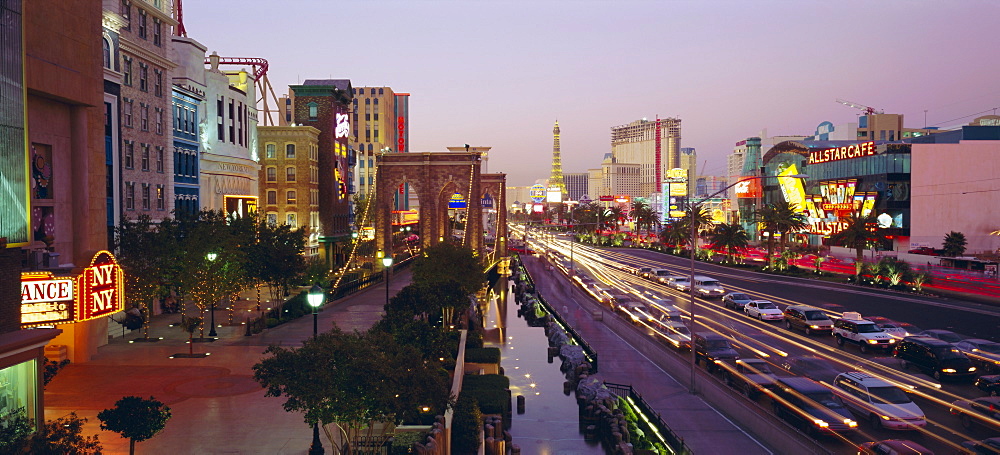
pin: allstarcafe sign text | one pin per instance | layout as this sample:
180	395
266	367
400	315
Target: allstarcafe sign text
842	153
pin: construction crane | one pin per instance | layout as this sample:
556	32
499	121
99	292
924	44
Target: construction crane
868	109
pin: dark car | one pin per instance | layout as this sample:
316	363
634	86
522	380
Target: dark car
934	357
751	376
984	353
807	319
943	335
813	367
981	412
989	446
736	300
989	384
712	348
924	250
892	446
811	406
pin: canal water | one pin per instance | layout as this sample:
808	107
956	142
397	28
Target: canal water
549	425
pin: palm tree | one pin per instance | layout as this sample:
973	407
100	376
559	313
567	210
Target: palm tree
730	238
674	234
861	232
643	215
615	214
954	244
780	217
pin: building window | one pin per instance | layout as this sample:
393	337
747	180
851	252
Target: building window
272	197
127	111
158	83
269	151
129	195
313	111
144	117
290	174
143	77
127	71
159	159
220	106
145	196
272	174
290	151
160	198
290	220
272	218
159	121
290	197
142	24
157	32
126	12
106	52
145	157
129	154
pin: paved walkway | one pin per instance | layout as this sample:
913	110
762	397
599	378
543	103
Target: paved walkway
217	406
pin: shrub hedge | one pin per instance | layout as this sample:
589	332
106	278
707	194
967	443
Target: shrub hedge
482	355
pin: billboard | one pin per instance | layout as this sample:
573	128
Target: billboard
748	189
838	199
677	180
553	195
791	187
537	193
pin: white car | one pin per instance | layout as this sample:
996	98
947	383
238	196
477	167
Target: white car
764	310
681	283
883	404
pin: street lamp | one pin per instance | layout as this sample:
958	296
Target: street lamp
694	241
387	262
315	299
212	333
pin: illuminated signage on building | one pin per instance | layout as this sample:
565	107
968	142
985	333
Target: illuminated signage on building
401	136
46	300
98	291
238	206
537	193
837	200
554	195
842	153
457	201
343	125
677	180
791	187
748	188
623	199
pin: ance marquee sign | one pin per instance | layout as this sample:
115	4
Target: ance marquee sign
96	292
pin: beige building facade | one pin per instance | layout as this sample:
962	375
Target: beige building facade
613	179
654	145
289	179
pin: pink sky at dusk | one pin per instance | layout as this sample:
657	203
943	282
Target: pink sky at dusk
499	73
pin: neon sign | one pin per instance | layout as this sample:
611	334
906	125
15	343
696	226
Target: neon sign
343	125
748	188
401	127
842	153
49	300
46	300
102	287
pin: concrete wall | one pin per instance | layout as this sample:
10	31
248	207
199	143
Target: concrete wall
954	188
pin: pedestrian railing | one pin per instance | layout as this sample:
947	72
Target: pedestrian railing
652	423
573	334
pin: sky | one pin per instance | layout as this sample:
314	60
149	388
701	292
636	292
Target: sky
500	73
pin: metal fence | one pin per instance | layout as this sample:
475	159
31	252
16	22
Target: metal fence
654	424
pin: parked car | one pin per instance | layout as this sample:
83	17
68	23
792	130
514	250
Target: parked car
808	319
883	404
711	348
851	328
980	412
735	300
934	357
708	288
989	446
943	335
764	310
984	353
817	368
751	376
811	406
893	446
989	383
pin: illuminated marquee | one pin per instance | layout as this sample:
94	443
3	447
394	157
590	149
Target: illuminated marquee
46	300
837	200
677	179
842	153
554	195
102	288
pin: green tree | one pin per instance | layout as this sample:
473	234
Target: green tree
448	261
62	436
860	232
140	248
730	238
190	324
614	216
353	381
643	215
136	419
674	235
954	244
15	430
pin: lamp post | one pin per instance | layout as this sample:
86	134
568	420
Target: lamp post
315	299
212	333
694	241
387	262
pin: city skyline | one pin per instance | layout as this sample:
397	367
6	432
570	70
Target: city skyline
500	73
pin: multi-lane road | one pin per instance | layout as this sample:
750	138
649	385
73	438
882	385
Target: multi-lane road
772	342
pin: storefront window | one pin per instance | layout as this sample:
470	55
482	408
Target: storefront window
17	389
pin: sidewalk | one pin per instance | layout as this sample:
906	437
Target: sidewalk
216	406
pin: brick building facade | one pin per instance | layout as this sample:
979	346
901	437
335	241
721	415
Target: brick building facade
289	179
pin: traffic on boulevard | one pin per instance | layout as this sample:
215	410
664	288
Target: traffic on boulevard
847	366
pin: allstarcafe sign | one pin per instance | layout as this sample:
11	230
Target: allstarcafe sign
96	292
842	153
